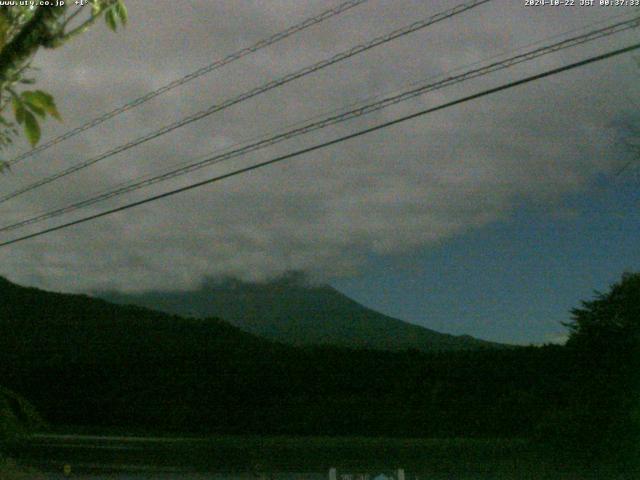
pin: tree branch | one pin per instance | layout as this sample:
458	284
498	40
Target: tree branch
87	23
33	35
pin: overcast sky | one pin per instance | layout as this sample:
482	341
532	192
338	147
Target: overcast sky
490	218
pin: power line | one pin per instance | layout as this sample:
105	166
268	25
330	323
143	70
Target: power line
373	97
254	92
192	76
329	143
332	120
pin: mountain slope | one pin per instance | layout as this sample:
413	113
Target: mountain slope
16	415
60	329
86	362
291	311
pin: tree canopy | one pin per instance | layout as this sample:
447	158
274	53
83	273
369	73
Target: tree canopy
610	321
605	341
23	31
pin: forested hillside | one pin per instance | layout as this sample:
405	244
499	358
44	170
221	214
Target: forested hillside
84	361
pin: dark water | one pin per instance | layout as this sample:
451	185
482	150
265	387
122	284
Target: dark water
176	476
290	458
241	458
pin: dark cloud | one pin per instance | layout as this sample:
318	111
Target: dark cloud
390	192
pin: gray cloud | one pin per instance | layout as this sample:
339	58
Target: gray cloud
389	192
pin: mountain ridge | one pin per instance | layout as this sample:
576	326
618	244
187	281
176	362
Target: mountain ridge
87	362
294	311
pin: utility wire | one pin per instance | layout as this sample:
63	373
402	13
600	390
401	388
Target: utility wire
370	98
191	76
319	146
254	92
331	120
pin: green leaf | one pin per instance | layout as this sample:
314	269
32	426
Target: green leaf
53	111
38	111
110	18
42	101
121	11
18	110
35	98
96	8
31	128
48	98
35	109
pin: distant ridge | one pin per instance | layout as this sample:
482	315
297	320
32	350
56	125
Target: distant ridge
292	310
85	362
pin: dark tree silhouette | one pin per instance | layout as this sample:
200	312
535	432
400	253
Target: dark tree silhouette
605	342
611	322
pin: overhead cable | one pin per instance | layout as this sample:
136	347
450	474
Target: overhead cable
332	120
319	146
191	76
251	93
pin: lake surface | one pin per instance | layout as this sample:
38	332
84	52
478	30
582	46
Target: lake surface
290	458
173	476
